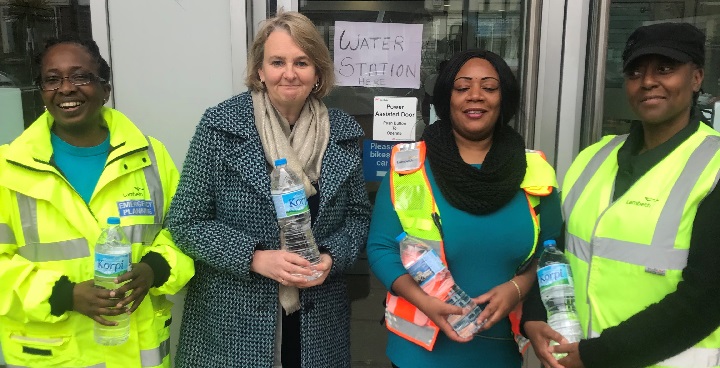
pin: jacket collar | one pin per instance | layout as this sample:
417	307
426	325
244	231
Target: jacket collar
33	149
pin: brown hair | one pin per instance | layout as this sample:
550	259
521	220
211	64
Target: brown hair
303	32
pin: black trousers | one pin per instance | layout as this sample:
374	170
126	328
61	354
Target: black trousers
290	349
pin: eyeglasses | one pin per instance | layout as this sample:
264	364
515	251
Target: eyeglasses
54	83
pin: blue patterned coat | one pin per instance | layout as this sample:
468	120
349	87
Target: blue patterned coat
222	212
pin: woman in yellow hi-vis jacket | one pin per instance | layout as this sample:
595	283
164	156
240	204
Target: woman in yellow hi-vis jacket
76	165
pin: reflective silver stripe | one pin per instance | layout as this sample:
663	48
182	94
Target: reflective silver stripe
421	333
593	334
152	177
694	358
28	218
101	365
659	258
671	215
6	234
57	251
588	172
580	248
34	250
142	233
154	357
662	255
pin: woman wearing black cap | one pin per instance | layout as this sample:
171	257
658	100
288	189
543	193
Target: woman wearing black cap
640	219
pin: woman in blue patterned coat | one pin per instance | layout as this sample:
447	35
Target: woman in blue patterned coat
243	308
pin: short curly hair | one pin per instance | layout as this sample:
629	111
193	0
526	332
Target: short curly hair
306	36
89	45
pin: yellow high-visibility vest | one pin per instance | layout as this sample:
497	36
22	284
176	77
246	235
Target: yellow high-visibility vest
629	253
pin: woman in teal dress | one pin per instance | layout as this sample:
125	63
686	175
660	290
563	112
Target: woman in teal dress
497	203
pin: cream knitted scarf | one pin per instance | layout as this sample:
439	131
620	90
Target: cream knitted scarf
303	146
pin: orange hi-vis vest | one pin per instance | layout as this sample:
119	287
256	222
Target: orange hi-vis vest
417	210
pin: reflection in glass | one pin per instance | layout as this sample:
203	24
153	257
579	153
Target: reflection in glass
25	25
625	17
449	26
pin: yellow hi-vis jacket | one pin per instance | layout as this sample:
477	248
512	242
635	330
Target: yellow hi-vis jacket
47	231
629	253
418	213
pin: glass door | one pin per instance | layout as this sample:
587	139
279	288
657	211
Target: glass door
25	25
606	109
506	27
449	26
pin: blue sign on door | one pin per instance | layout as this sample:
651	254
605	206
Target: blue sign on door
376	159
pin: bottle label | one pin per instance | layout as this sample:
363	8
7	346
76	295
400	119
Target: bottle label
554	275
426	267
111	265
291	203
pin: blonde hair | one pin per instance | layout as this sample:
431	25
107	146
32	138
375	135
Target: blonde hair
306	36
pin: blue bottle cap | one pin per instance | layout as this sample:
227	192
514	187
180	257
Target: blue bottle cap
280	162
400	237
549	243
113	220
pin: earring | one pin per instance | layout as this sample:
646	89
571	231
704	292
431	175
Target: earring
317	86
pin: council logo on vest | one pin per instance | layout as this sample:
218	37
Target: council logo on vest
646	202
139	192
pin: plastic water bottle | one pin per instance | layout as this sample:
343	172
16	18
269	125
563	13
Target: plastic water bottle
293	214
558	294
427	269
113	255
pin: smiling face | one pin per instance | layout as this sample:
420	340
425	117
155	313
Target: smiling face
475	100
660	90
288	73
74	108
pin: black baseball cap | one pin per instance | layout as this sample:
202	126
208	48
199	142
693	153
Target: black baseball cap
678	41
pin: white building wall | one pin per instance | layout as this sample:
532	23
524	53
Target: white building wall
11	115
171	60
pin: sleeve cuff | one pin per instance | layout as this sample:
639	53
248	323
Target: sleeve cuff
160	267
593	353
61	299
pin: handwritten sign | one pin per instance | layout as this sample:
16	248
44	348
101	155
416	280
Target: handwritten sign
377	54
394	118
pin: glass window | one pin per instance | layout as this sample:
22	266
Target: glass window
625	17
25	25
449	26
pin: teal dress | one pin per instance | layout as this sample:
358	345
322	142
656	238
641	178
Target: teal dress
482	251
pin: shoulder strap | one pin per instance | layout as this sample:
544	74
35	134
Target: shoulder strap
540	176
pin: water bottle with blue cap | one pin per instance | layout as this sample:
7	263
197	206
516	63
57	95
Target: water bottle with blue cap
293	214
